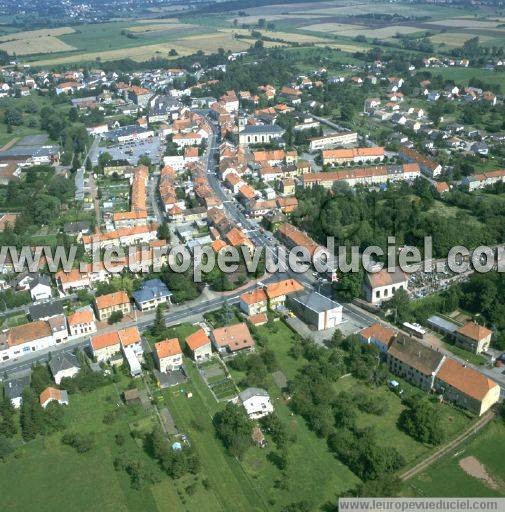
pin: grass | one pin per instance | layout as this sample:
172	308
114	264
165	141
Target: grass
87	479
180	331
224	389
385	426
388	434
447	478
463	75
230	487
464	354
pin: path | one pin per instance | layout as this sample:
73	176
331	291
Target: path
488	416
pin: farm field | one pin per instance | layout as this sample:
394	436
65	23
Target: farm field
319	23
36	41
475	470
455	39
463	75
360	30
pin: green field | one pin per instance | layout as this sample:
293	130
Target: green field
447	478
51	477
463	75
250	484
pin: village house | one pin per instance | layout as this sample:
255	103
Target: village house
40	288
466	387
82	322
256	402
332	140
168	355
31	337
316	309
260	134
151	294
232	339
108	304
64	365
378	335
414	362
382	285
14	385
355	155
51	394
199	345
105	346
473	337
271	296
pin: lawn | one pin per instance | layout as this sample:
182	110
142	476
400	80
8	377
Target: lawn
385	426
464	354
447	478
52	477
388	434
230	488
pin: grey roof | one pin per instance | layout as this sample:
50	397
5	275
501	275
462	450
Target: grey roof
442	323
76	227
45	310
33	140
315	301
151	289
416	355
124	130
29	151
262	128
63	361
15	385
41	279
250	392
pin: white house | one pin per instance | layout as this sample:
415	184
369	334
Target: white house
40	288
168	355
382	285
64	365
82	322
316	309
256	402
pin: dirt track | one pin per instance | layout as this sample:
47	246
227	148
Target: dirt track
407	475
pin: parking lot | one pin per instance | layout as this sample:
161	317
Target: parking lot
153	147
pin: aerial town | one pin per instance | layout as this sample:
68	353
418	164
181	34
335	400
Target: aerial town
255	389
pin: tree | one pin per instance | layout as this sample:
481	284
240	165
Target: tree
234	429
82	443
422	421
116	316
40	378
13	117
386	485
164	231
31	415
159	325
104	159
8	425
5	447
54	415
399	305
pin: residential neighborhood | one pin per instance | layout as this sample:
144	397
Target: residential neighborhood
258	277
